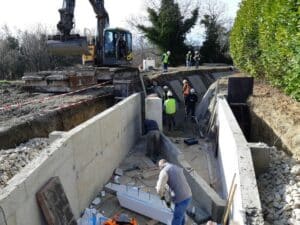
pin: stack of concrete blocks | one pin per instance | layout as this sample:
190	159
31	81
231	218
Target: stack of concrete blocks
84	158
144	203
153	108
235	159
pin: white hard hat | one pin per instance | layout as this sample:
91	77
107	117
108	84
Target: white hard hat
169	93
168	52
184	81
196	51
165	87
192	90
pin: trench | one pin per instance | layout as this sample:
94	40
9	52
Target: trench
112	139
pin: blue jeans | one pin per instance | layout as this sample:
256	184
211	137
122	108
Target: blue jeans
179	212
165	67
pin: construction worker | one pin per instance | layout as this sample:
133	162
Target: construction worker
185	91
165	60
153	139
173	176
188	59
191	101
170	110
197	59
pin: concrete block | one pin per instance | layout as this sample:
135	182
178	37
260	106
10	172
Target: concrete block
176	88
153	110
151	207
260	156
141	202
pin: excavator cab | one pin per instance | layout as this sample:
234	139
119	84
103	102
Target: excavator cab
117	47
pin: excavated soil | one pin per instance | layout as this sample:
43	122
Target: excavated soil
26	115
275	118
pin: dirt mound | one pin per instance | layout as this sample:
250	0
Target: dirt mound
280	113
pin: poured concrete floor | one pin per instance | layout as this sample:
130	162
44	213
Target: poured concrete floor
139	171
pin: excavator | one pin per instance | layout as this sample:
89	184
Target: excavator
110	47
110	52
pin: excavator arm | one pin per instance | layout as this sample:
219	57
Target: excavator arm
73	44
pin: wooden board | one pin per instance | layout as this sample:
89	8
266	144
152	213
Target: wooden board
54	203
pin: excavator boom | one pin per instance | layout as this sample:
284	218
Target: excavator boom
68	44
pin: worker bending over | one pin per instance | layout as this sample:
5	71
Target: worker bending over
173	176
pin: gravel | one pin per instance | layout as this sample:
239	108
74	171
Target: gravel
13	160
280	190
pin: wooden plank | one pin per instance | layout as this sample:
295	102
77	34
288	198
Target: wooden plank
54	203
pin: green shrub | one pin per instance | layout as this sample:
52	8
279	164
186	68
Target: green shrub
265	41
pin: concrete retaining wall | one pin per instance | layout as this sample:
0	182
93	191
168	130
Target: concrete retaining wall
235	158
84	158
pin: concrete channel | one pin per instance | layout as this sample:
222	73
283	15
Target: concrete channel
85	157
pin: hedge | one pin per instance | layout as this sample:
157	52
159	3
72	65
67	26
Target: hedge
265	42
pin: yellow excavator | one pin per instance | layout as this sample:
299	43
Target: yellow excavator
110	51
110	47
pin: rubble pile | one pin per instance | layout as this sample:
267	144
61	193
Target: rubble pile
280	190
13	160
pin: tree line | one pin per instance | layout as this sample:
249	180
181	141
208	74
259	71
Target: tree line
265	42
26	51
170	21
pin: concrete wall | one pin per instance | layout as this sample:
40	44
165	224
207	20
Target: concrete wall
235	158
84	158
207	199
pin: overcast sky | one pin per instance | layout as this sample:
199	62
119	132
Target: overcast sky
25	14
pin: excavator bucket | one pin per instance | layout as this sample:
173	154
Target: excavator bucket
70	47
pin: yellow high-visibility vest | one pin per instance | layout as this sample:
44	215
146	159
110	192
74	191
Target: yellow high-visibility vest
170	106
165	58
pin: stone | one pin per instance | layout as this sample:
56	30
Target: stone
296	169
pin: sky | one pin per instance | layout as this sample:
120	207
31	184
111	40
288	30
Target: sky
26	14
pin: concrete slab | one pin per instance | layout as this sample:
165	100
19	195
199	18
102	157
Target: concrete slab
142	202
176	88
